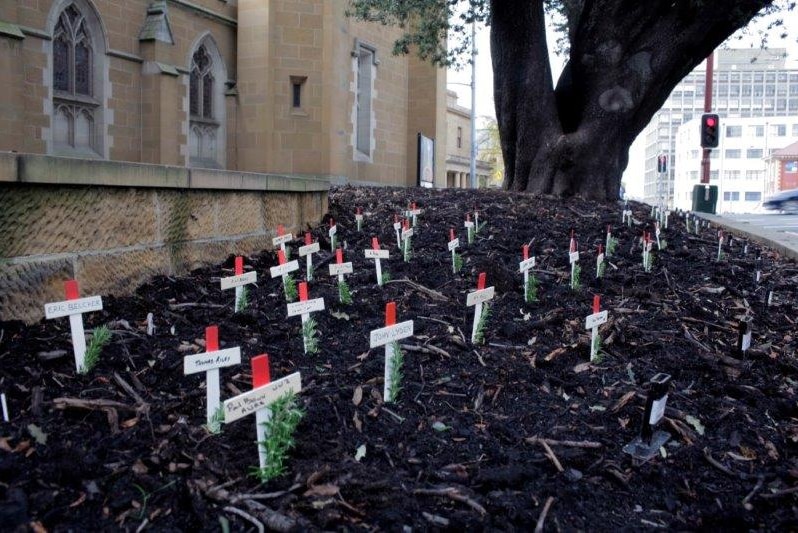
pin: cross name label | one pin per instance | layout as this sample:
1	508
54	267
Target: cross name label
596	319
341	268
73	307
414	212
454	244
202	362
239	281
244	404
282	239
309	249
359	218
481	296
526	264
469	224
397	225
376	254
573	257
308	306
388	334
281	270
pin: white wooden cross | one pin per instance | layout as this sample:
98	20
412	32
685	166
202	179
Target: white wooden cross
282	238
284	268
413	212
476	299
720	243
657	233
407	232
397	227
524	267
304	307
377	254
386	336
239	281
599	260
307	251
608	239
333	231
210	362
339	268
469	226
454	243
573	258
264	393
592	322
359	218
74	307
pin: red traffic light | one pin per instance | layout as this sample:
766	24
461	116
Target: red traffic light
711	122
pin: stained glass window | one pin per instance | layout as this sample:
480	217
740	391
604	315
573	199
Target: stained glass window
61	65
201	84
207	96
194	93
82	69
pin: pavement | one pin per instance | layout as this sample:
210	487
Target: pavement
779	232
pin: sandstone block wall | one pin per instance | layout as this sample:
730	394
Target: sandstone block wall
112	237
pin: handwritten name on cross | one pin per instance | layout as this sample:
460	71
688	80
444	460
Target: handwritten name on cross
210	362
238	281
377	254
74	307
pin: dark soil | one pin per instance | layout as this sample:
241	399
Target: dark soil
457	450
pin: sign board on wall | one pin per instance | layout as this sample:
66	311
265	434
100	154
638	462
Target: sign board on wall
426	161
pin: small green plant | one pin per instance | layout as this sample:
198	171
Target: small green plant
310	270
333	242
310	336
596	353
288	254
576	282
396	372
471	235
602	268
386	277
481	226
458	263
479	336
531	293
407	250
280	430
612	245
663	244
648	261
101	337
289	288
145	497
344	294
214	425
243	300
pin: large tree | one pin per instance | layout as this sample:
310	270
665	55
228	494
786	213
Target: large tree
624	58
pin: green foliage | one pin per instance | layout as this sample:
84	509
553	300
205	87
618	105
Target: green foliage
663	244
531	292
386	277
214	425
101	337
481	227
396	372
601	269
458	262
576	273
333	243
596	355
280	430
289	288
479	336
310	336
344	294
287	253
612	245
406	248
243	301
471	235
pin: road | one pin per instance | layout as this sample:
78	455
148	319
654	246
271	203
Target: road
777	231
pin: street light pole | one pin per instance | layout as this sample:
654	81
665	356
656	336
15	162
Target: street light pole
474	182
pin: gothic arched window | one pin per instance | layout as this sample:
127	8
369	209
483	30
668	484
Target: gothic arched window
206	106
74	103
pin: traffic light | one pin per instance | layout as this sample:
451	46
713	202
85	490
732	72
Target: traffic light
710	128
662	163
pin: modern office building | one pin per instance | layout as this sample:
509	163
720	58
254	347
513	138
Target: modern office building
782	169
738	164
747	83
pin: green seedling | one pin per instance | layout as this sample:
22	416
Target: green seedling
663	244
596	352
145	496
481	227
215	424
243	301
101	337
602	268
611	245
458	263
479	336
531	292
333	242
386	277
280	430
407	250
310	336
344	294
576	283
471	235
289	288
396	372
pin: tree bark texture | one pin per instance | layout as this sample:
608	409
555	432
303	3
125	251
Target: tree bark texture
626	57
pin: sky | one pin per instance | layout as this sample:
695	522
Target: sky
459	81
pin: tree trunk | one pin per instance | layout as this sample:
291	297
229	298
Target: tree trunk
626	56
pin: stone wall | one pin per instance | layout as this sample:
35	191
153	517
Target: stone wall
114	225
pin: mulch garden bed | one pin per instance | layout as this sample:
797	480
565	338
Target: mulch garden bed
518	432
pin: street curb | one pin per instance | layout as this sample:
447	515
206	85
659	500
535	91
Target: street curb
766	237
